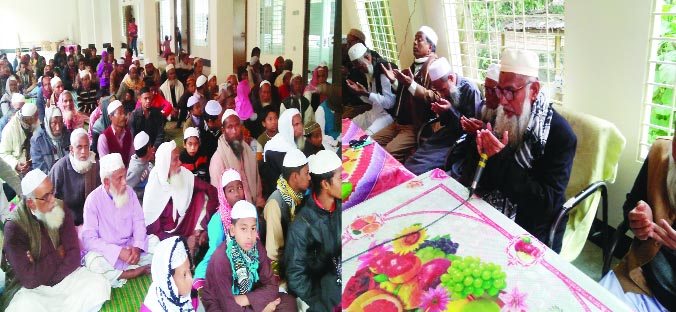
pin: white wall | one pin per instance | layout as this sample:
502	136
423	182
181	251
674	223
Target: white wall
606	50
35	21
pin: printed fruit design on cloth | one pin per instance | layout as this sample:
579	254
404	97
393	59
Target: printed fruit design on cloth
366	225
376	300
526	251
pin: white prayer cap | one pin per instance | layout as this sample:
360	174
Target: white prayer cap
493	72
120	61
213	108
52	111
324	161
11	77
113	106
294	77
210	76
264	82
76	134
439	69
191	132
32	180
84	73
132	66
54	81
356	51
294	158
147	61
322	64
197	58
230	175
430	34
18	98
243	209
109	163
192	100
141	140
227	113
169	67
522	62
29	109
201	80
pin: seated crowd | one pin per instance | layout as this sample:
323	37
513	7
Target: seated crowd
528	145
249	204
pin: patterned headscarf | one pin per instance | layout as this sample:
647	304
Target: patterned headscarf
223	207
163	292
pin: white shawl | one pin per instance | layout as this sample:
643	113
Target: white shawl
284	140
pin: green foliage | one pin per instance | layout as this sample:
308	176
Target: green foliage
664	74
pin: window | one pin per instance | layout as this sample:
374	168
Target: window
376	23
165	19
658	99
272	27
201	22
478	31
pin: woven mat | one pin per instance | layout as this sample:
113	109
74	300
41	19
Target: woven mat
129	297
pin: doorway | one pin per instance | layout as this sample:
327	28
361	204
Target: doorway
182	27
320	28
239	56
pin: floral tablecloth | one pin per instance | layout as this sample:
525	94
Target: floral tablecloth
473	259
370	169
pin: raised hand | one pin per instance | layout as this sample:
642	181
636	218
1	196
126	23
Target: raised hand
641	220
388	72
487	142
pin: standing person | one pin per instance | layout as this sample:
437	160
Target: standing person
103	71
166	46
132	31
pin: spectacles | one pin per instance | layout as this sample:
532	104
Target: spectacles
507	93
47	197
490	90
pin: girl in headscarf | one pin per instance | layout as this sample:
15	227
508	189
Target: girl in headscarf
239	275
242	103
171	287
230	191
314	92
72	119
51	143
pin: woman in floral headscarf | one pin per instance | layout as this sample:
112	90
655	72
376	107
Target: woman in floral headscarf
72	119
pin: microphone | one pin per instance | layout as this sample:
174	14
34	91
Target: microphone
477	174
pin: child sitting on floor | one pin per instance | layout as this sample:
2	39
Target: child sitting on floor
313	138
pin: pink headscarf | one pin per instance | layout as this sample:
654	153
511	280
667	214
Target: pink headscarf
223	206
71	118
242	104
314	82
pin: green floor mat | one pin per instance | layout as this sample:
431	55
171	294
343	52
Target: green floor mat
129	297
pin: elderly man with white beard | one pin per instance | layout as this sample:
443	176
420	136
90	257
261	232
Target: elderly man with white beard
42	249
114	231
451	97
645	278
77	175
176	202
15	143
529	167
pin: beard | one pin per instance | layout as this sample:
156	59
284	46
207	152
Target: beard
237	148
454	98
515	125
82	166
53	219
120	197
67	115
175	180
370	69
671	182
488	114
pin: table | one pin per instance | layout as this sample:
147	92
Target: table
473	259
371	169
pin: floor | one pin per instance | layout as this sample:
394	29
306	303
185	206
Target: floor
590	261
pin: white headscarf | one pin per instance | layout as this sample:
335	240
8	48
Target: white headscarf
158	190
163	292
284	140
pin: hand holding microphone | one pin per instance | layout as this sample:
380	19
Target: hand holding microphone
487	145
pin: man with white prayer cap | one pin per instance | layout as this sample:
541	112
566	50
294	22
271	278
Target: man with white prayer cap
378	92
201	91
195	112
57	89
530	156
211	131
50	143
140	164
131	81
114	233
172	89
117	76
452	97
314	237
261	97
298	101
290	128
151	72
233	152
15	144
118	137
282	205
15	104
176	202
42	248
77	175
87	92
410	112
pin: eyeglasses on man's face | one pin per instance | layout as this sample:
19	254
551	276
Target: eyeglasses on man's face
46	197
508	94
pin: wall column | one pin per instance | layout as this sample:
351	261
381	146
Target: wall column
221	37
150	36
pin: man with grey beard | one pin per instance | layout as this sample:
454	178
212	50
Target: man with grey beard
233	153
114	232
15	144
645	278
531	153
42	249
77	175
451	97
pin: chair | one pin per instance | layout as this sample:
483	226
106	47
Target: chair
599	145
608	257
